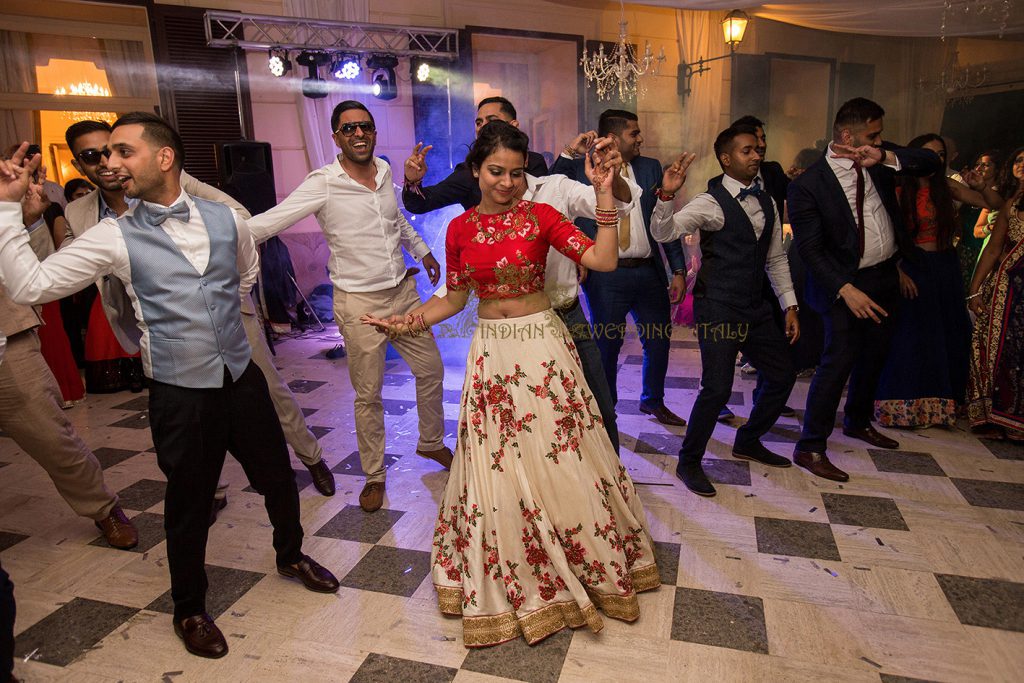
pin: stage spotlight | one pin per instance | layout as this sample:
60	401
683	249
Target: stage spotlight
313	87
423	72
346	67
278	62
384	84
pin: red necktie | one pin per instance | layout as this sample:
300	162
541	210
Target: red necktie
860	206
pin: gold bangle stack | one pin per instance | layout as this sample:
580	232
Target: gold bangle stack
607	218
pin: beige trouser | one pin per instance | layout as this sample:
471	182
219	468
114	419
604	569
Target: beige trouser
296	433
366	348
30	413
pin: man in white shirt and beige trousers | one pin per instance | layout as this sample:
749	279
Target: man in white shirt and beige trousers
354	202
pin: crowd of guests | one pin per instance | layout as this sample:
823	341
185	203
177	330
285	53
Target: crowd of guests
898	280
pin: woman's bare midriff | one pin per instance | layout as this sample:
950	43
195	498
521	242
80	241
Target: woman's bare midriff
496	309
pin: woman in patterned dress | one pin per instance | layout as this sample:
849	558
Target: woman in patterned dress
540	527
995	390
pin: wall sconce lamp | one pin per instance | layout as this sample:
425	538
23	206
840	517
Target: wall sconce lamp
734	28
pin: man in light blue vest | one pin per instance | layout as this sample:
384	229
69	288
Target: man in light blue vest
185	262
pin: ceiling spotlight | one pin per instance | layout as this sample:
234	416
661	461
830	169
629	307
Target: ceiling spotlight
346	67
314	87
423	72
384	84
278	62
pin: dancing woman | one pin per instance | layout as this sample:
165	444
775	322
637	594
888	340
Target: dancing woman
540	526
995	391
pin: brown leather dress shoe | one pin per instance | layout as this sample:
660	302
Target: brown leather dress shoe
118	530
872	436
323	478
372	496
818	464
313	576
442	456
201	636
663	415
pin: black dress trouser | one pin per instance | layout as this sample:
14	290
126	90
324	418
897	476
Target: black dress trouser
192	431
7	612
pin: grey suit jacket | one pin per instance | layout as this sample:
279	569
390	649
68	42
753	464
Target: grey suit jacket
84	212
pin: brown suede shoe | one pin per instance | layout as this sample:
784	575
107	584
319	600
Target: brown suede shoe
323	478
818	464
872	436
313	576
442	456
372	496
118	530
201	636
663	415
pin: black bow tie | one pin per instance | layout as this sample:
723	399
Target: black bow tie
753	191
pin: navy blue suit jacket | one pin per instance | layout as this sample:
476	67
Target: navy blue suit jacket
825	229
646	172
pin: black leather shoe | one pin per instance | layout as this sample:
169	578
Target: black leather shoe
663	415
788	412
725	415
218	505
695	479
201	636
323	478
872	436
758	453
819	464
312	575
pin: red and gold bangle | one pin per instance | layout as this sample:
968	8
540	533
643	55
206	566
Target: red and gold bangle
664	196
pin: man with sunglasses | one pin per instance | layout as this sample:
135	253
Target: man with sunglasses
88	142
355	204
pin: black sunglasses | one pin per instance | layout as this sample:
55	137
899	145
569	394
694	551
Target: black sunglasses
92	156
349	129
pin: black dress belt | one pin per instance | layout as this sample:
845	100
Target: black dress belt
633	262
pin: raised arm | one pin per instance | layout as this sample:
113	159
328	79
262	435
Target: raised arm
308	198
457	188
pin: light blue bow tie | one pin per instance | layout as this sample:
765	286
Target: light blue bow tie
158	214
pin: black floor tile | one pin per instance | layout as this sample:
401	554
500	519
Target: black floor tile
304	386
452	396
320	432
9	539
351	464
892	678
384	569
867	511
779	434
227	586
736	398
398	406
151	533
1004	450
627	407
720	619
352	524
377	668
63	636
451	429
991	603
302	479
684	345
306	412
142	495
905	462
658	442
991	494
634	360
137	404
690	383
667	557
540	663
795	538
109	457
136	421
730	472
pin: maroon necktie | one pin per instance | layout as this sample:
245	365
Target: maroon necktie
860	206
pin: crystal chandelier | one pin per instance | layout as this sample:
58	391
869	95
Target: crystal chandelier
955	82
954	11
619	69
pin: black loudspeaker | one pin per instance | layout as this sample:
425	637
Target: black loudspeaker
247	173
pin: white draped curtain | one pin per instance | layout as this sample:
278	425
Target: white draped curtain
127	69
17	75
315	115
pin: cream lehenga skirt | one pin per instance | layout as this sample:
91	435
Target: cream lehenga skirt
540	526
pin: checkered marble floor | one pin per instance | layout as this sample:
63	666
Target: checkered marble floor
911	571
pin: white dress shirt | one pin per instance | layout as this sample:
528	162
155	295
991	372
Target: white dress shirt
704	213
573	200
101	251
639	245
364	229
879	235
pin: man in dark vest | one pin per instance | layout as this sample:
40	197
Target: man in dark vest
741	239
185	262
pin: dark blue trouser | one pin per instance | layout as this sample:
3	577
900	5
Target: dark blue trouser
855	348
7	612
722	332
641	293
593	371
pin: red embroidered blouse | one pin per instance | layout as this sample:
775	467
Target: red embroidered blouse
503	256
